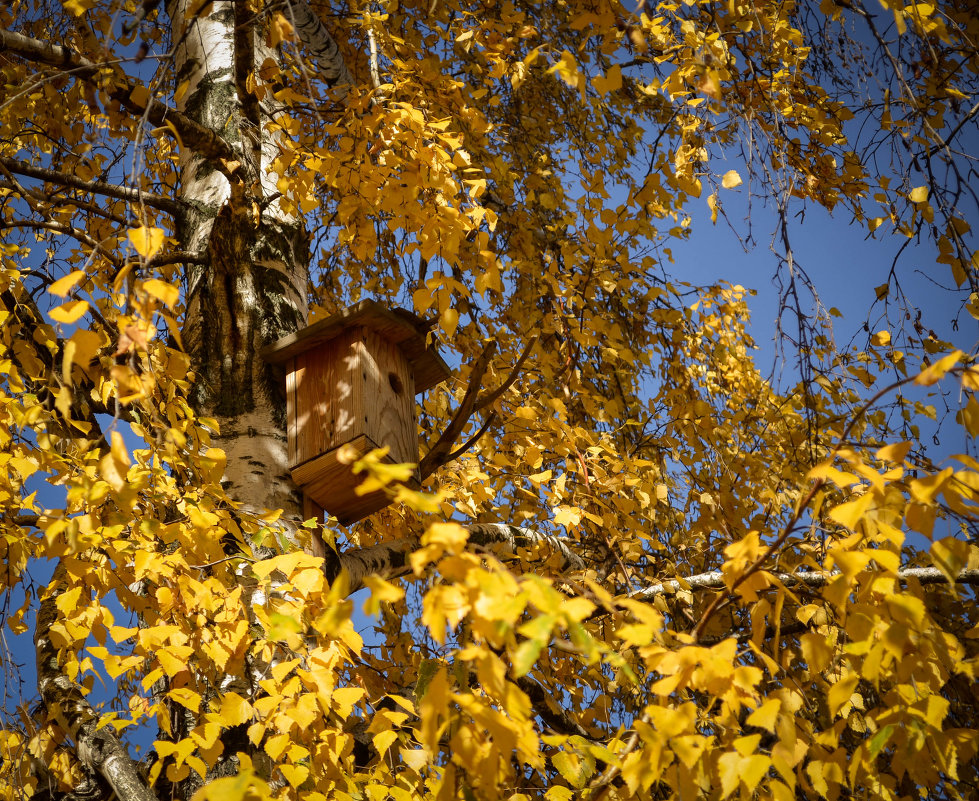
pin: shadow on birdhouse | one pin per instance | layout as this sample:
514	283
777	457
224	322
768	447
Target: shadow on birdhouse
351	379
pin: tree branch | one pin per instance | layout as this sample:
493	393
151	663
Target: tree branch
119	88
322	47
790	526
491	397
516	537
714	580
61	228
390	559
472	402
161	202
98	749
439	452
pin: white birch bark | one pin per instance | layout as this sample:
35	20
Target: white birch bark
320	47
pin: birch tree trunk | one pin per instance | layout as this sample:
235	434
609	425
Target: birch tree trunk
252	287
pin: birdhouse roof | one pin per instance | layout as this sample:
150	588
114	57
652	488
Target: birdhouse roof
399	326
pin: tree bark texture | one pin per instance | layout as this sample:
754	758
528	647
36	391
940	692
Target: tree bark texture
251	288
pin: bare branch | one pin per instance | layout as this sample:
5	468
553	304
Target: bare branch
491	397
61	228
471	403
119	88
161	202
438	454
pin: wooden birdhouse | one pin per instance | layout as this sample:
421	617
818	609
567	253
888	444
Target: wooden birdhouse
351	380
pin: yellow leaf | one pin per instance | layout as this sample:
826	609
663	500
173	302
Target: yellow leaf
280	30
119	450
924	490
295	774
285	563
146	241
449	320
235	710
452	536
381	592
417	759
78	7
881	338
114	466
162	291
173	660
968	416
186	697
764	717
919	194
894	453
567	516
540	478
714	206
970	379
567	68
433	705
849	514
731	179
140	95
736	769
384	740
69	312
841	692
610	82
950	555
826	471
67	602
933	373
63	286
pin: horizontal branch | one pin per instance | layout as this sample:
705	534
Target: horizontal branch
60	228
58	202
169	205
178	257
515	537
119	88
714	580
390	559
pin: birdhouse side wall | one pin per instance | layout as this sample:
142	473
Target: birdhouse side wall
389	397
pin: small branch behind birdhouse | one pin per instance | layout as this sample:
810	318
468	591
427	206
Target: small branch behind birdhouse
438	455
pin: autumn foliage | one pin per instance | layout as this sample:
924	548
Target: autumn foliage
641	564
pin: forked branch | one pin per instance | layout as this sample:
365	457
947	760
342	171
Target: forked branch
441	453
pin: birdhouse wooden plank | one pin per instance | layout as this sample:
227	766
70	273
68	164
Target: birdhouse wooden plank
351	380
